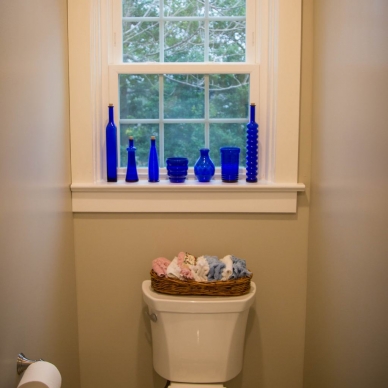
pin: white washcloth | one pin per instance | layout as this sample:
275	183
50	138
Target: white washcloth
173	270
200	269
227	272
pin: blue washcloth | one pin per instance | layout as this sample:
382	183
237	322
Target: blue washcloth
215	268
239	268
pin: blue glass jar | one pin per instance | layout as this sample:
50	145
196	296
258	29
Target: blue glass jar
153	163
252	148
204	168
111	147
131	166
230	162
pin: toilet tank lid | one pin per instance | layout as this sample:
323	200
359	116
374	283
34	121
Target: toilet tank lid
197	304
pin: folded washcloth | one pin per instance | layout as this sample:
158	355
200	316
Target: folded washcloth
227	272
215	268
200	270
160	265
186	262
239	268
174	270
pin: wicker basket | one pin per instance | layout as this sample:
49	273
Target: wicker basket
166	285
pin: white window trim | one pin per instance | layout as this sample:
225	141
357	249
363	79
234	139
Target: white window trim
278	116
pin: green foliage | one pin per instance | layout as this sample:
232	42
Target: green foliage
224	135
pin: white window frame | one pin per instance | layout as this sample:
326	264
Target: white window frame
279	40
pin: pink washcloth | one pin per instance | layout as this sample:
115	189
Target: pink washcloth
160	265
185	261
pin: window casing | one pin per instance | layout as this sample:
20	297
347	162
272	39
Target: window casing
278	40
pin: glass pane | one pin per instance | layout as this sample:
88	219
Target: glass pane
229	95
139	96
184	96
184	41
227	7
184	8
227	41
140	41
223	135
141	135
140	8
184	140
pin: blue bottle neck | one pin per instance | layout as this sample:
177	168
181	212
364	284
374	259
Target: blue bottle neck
204	152
130	143
111	116
153	143
253	110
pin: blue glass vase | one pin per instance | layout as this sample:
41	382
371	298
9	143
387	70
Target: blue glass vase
252	148
111	148
153	163
204	168
131	166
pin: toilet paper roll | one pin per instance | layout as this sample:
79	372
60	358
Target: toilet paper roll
41	374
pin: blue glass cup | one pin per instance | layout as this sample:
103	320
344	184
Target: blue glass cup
230	162
177	169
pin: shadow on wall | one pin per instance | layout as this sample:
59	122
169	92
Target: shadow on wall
252	365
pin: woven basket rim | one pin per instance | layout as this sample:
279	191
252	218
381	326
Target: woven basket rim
234	287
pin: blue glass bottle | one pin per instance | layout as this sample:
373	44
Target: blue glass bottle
252	148
131	166
111	148
204	168
153	163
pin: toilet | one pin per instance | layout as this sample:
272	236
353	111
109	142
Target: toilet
197	341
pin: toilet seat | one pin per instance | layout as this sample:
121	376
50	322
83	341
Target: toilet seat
186	385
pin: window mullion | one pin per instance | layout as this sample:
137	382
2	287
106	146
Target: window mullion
161	31
207	107
161	119
206	31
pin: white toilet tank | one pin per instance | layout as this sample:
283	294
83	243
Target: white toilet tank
198	339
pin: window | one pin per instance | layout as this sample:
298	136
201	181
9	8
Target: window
185	72
98	69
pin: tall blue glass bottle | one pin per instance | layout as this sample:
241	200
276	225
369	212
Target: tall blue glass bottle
111	148
153	163
252	147
131	165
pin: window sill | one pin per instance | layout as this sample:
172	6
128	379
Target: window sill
188	197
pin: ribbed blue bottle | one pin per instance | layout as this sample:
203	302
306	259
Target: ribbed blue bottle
153	163
131	166
252	147
111	148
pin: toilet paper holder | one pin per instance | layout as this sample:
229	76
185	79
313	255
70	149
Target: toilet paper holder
23	363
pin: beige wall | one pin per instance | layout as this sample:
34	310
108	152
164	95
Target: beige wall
37	273
347	309
114	254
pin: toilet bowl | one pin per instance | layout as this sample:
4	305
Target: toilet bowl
197	341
